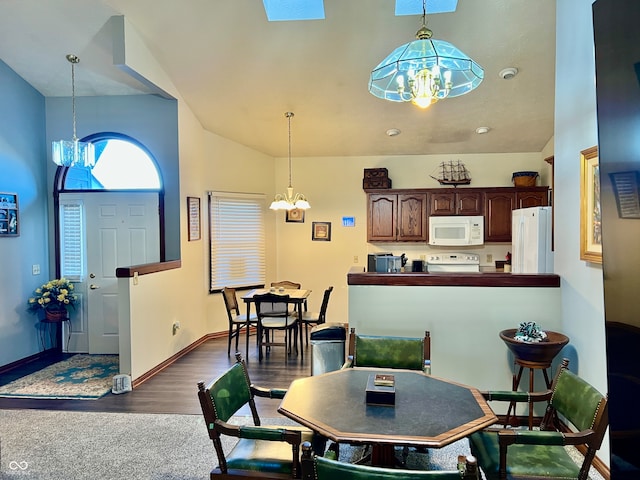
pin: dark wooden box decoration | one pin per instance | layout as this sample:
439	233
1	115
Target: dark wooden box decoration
368	183
376	178
376	173
379	394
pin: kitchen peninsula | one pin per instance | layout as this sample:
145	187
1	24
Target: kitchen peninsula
464	312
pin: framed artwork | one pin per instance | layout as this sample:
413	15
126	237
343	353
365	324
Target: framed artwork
625	189
295	215
590	213
193	214
9	218
321	231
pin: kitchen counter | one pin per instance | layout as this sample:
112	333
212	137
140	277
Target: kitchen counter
465	312
481	279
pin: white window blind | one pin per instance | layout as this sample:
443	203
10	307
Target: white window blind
71	242
236	223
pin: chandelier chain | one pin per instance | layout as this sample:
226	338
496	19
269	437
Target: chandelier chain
289	115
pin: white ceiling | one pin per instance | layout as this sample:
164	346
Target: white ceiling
239	73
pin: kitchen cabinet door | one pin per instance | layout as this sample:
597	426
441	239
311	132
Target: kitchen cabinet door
412	218
498	207
468	203
382	212
532	199
455	203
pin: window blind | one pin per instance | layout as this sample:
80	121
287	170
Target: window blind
236	223
71	243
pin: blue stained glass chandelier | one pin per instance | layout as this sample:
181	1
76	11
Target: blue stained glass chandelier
424	71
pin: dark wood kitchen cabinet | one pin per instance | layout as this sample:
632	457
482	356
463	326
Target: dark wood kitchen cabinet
397	217
498	205
455	203
401	215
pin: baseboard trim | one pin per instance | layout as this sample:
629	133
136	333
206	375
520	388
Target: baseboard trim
24	361
158	368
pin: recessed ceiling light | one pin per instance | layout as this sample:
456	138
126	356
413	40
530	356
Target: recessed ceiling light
508	73
482	130
392	132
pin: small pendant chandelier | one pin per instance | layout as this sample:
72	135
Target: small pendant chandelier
424	71
289	200
73	153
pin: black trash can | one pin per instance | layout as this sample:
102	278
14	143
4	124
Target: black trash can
327	347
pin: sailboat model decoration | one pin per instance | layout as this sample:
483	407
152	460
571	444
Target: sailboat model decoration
452	173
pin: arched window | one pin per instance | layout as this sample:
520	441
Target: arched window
122	163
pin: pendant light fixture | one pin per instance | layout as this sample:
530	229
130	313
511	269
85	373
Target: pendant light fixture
289	200
424	71
73	153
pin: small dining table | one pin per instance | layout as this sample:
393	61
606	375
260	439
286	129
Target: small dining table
297	296
428	412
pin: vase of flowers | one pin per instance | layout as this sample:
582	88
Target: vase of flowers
54	298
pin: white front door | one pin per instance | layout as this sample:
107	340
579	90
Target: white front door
120	229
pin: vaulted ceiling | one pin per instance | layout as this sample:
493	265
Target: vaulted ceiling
239	73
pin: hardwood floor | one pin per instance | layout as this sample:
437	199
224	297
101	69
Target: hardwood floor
174	390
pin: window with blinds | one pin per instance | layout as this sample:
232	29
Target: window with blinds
236	227
72	252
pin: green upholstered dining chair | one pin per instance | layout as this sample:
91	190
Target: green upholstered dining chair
272	451
389	352
325	468
541	454
237	320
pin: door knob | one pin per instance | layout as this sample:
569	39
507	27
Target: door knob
94	287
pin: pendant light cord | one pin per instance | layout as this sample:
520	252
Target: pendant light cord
73	59
289	115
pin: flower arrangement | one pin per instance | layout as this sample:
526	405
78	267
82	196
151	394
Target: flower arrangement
55	295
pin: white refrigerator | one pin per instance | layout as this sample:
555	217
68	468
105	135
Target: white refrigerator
531	240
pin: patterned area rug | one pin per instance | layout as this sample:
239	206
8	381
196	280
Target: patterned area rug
81	377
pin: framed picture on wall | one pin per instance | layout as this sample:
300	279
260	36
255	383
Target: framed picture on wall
321	231
9	218
295	215
193	213
590	213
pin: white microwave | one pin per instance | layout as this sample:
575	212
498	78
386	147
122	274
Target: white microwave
455	231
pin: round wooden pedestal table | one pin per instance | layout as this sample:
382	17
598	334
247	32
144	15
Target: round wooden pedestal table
534	356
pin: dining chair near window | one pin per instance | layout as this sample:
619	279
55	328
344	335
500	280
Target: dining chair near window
325	468
389	352
315	318
261	451
269	324
237	320
541	454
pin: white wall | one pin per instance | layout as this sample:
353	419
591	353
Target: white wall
576	130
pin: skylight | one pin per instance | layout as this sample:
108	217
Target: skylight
414	7
283	10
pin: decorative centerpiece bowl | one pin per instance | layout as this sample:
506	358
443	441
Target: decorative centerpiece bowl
537	352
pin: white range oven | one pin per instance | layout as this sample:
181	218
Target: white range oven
453	262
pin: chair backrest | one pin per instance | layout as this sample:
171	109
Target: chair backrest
272	300
325	304
230	302
580	404
322	468
390	352
225	395
287	284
